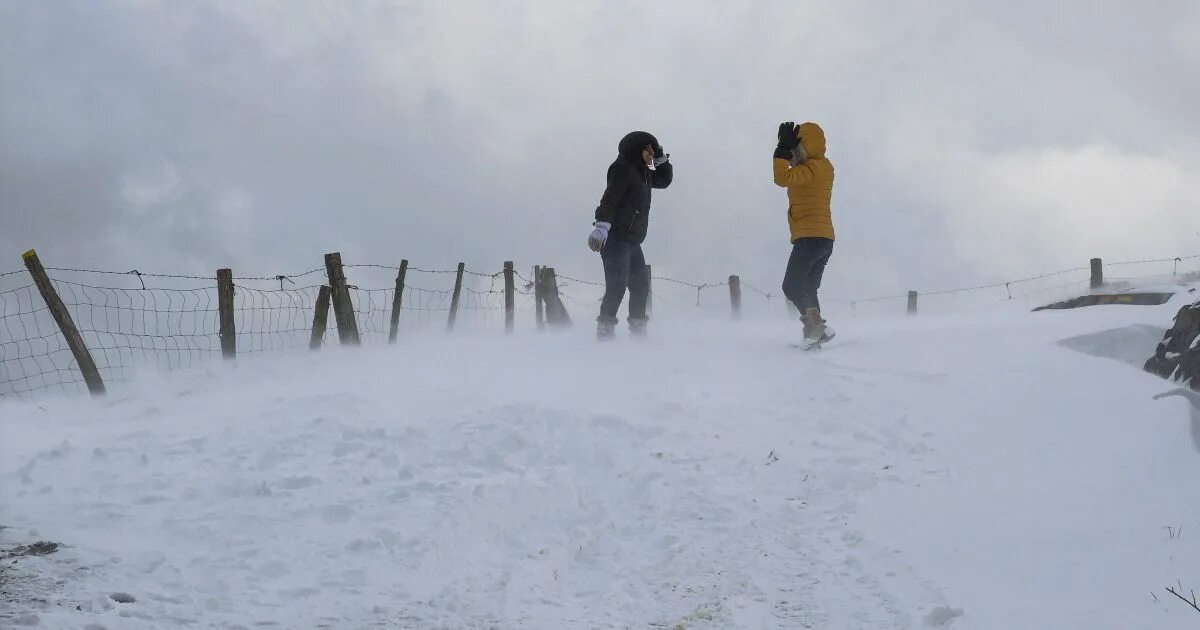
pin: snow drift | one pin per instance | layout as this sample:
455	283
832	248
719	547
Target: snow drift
931	471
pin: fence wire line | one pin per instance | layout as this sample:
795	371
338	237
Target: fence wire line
132	272
1155	260
1044	290
759	291
698	286
994	285
466	271
173	276
282	276
559	276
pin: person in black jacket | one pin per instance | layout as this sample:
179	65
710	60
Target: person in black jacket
622	219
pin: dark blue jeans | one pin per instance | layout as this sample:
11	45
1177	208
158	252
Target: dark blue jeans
624	268
804	271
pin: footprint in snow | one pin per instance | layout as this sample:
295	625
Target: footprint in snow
942	615
346	448
297	483
337	514
299	593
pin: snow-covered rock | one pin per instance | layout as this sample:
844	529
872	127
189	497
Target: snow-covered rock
1178	355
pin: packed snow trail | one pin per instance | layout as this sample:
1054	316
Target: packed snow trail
965	472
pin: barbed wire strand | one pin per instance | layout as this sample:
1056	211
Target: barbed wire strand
466	271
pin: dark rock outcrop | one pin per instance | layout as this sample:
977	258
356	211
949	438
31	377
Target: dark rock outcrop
1178	356
36	549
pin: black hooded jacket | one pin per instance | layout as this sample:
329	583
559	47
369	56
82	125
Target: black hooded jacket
626	201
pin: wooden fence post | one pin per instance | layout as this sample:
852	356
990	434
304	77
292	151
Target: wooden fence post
398	301
556	311
649	291
454	299
228	330
537	297
320	318
912	302
83	358
735	296
509	297
1097	273
343	308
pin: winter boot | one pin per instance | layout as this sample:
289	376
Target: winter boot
815	330
606	328
637	327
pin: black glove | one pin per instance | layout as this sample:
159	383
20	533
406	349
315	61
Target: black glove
659	157
787	136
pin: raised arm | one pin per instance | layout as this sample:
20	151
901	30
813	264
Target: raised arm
662	175
787	175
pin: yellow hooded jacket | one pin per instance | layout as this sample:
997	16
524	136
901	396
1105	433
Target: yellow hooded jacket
809	186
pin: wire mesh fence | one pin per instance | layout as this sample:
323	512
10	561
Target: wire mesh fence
33	353
133	320
268	320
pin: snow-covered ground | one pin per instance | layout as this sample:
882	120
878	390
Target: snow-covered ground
967	471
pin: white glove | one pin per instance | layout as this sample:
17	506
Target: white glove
659	161
598	236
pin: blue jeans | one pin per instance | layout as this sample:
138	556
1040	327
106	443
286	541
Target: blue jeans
624	268
804	271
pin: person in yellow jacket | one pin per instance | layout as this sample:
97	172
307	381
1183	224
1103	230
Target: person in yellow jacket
800	166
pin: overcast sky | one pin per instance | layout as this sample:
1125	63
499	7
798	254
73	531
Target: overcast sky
972	140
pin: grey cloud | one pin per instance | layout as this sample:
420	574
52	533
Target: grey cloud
184	137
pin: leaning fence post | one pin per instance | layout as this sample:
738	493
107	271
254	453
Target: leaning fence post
398	301
1097	273
320	318
228	332
912	302
343	309
735	296
537	297
649	291
83	358
509	296
454	299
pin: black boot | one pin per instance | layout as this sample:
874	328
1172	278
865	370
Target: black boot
606	328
